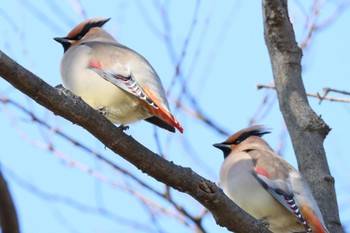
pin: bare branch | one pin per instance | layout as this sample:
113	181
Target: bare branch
322	97
335	14
197	113
75	164
225	212
312	24
89	151
76	204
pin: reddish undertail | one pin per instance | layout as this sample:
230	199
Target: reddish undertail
163	113
312	220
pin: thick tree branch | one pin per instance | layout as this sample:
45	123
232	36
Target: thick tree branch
8	215
307	130
225	212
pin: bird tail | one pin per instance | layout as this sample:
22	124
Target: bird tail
163	113
313	221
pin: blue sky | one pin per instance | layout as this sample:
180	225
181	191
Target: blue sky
225	58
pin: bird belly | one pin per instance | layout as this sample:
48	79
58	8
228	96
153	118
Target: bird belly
116	104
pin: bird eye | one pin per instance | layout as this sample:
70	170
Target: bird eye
237	141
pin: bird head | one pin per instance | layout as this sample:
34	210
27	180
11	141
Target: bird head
234	141
80	31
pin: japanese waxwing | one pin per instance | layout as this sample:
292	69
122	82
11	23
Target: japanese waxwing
266	186
113	79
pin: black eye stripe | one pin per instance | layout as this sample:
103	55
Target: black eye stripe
87	27
246	135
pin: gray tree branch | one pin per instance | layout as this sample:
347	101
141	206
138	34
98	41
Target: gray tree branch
225	212
306	128
8	215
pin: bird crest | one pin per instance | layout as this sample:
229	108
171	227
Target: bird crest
81	29
240	136
79	32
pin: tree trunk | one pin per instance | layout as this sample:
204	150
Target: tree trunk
8	215
307	130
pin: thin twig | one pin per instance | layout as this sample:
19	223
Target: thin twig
197	113
317	95
44	124
72	202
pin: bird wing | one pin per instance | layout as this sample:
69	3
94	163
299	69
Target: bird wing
129	84
273	174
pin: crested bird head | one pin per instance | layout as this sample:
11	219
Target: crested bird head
235	140
80	31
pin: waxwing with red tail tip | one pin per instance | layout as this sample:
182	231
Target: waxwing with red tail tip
266	186
113	79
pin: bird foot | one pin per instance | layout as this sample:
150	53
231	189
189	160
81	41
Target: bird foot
102	111
123	127
265	222
59	87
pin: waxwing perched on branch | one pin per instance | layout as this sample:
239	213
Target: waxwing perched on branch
266	186
113	79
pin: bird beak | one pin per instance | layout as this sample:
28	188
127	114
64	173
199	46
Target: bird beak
61	40
226	149
221	146
64	41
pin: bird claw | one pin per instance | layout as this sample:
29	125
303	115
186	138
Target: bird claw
102	111
59	87
105	113
123	127
264	222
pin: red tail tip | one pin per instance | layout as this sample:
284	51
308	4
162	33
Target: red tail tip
179	127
